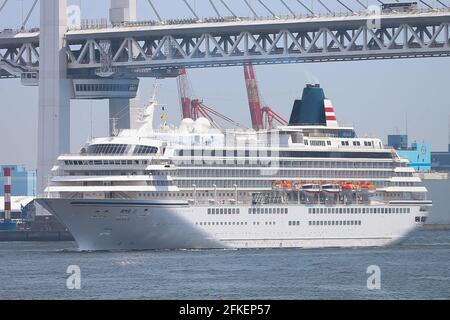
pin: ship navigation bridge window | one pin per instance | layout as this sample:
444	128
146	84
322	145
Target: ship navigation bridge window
107	149
145	150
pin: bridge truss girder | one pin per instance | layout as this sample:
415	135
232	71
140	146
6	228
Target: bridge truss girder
284	46
17	59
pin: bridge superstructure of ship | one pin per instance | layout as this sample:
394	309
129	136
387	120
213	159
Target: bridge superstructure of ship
105	60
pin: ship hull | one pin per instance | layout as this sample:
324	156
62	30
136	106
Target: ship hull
162	225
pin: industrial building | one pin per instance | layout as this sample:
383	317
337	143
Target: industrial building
418	154
23	180
16	197
398	141
441	160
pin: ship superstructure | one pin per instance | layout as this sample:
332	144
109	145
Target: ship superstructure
312	183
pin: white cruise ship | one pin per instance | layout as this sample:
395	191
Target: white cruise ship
310	184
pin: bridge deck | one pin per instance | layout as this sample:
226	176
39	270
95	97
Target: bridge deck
304	23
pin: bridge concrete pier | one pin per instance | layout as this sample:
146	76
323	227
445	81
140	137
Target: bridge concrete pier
55	89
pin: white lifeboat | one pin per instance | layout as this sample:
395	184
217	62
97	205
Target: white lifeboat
331	188
311	188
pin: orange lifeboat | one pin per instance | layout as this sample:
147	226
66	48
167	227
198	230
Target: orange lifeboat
349	186
367	187
287	185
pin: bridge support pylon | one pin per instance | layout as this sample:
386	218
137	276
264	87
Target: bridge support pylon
55	89
122	11
119	109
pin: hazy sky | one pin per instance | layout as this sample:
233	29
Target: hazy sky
373	96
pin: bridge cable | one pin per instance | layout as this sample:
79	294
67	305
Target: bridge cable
192	10
215	8
362	4
426	4
345	6
3	5
154	10
287	7
310	11
267	8
29	15
329	11
443	4
251	8
228	8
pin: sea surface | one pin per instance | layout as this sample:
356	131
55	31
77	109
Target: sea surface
419	268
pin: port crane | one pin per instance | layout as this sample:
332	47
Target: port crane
193	108
262	117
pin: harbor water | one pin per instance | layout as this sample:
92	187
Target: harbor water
416	269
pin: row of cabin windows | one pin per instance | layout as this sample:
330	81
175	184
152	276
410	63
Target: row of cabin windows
336	223
105	162
403	174
267	223
158	194
201	155
255	223
318	143
337	164
283	173
224	211
227	163
359	210
358	143
222	184
113	172
321	143
294	223
234	223
187	194
268	211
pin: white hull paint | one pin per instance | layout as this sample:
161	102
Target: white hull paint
159	225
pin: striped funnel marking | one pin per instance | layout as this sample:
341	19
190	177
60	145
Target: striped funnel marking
330	115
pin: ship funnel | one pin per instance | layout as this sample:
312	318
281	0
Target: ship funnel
310	110
313	109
